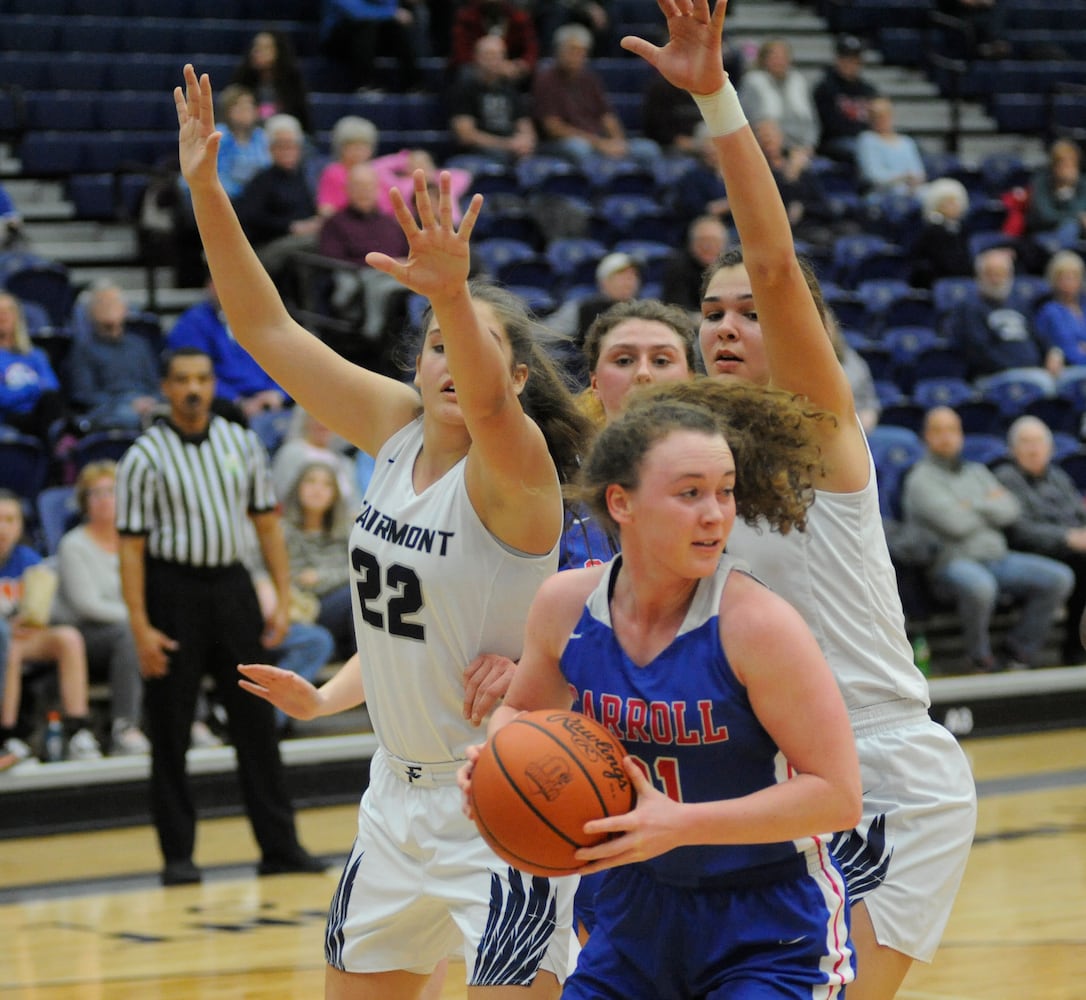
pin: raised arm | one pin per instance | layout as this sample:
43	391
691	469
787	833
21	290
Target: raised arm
361	406
798	350
510	476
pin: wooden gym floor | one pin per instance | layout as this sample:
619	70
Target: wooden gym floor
83	918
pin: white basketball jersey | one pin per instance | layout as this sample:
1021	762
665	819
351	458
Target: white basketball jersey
431	589
838	575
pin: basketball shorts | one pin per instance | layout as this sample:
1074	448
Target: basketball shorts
421	884
906	859
784	938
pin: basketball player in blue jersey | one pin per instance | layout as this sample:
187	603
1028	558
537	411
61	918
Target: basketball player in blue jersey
720	881
458	528
762	323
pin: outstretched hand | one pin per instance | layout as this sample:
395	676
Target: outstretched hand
692	59
197	139
439	255
285	689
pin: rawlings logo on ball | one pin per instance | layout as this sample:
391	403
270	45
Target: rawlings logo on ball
586	738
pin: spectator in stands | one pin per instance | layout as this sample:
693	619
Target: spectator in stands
684	272
1057	195
887	161
990	330
30	397
89	597
277	208
113	372
1061	318
773	88
270	69
238	378
968	508
356	31
11	222
1053	519
348	236
618	279
941	249
354	141
496	19
868	407
572	110
668	116
813	216
842	98
316	523
33	640
243	152
489	114
307	441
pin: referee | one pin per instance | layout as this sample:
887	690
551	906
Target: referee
183	489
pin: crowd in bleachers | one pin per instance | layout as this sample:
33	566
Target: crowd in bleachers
953	284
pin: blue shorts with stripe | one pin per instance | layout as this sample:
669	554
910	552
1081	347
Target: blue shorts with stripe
783	937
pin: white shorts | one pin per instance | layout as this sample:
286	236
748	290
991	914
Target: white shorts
906	858
421	884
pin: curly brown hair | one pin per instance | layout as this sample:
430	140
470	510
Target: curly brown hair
769	432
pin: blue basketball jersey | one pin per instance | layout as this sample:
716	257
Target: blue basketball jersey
686	717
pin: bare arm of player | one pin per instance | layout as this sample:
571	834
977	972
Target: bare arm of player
510	476
361	406
771	651
798	349
300	699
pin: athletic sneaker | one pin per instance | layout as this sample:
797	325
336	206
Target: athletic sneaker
202	736
13	751
128	739
83	746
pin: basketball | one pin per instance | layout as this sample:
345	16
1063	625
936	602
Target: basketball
539	780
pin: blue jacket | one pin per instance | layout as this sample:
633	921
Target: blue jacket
23	379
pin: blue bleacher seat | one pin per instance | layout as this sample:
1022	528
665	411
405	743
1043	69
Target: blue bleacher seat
946	293
100	446
493	254
984	448
1011	390
147	111
24	463
1074	465
48	285
530	272
894	450
1071	384
651	254
942	391
538	300
1057	412
62	111
574	259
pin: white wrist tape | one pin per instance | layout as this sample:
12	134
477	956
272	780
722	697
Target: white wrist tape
722	111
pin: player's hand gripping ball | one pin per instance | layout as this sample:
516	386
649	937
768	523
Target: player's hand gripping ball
539	780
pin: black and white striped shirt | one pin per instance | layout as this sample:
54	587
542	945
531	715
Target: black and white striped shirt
191	496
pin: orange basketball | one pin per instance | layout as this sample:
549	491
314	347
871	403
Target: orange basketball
539	780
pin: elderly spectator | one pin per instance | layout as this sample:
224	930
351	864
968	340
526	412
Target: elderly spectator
277	207
113	372
775	89
990	330
352	233
572	110
968	508
354	141
941	249
1053	518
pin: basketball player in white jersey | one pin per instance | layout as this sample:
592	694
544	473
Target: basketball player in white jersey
458	528
761	323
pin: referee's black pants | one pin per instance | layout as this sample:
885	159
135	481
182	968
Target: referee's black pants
214	616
